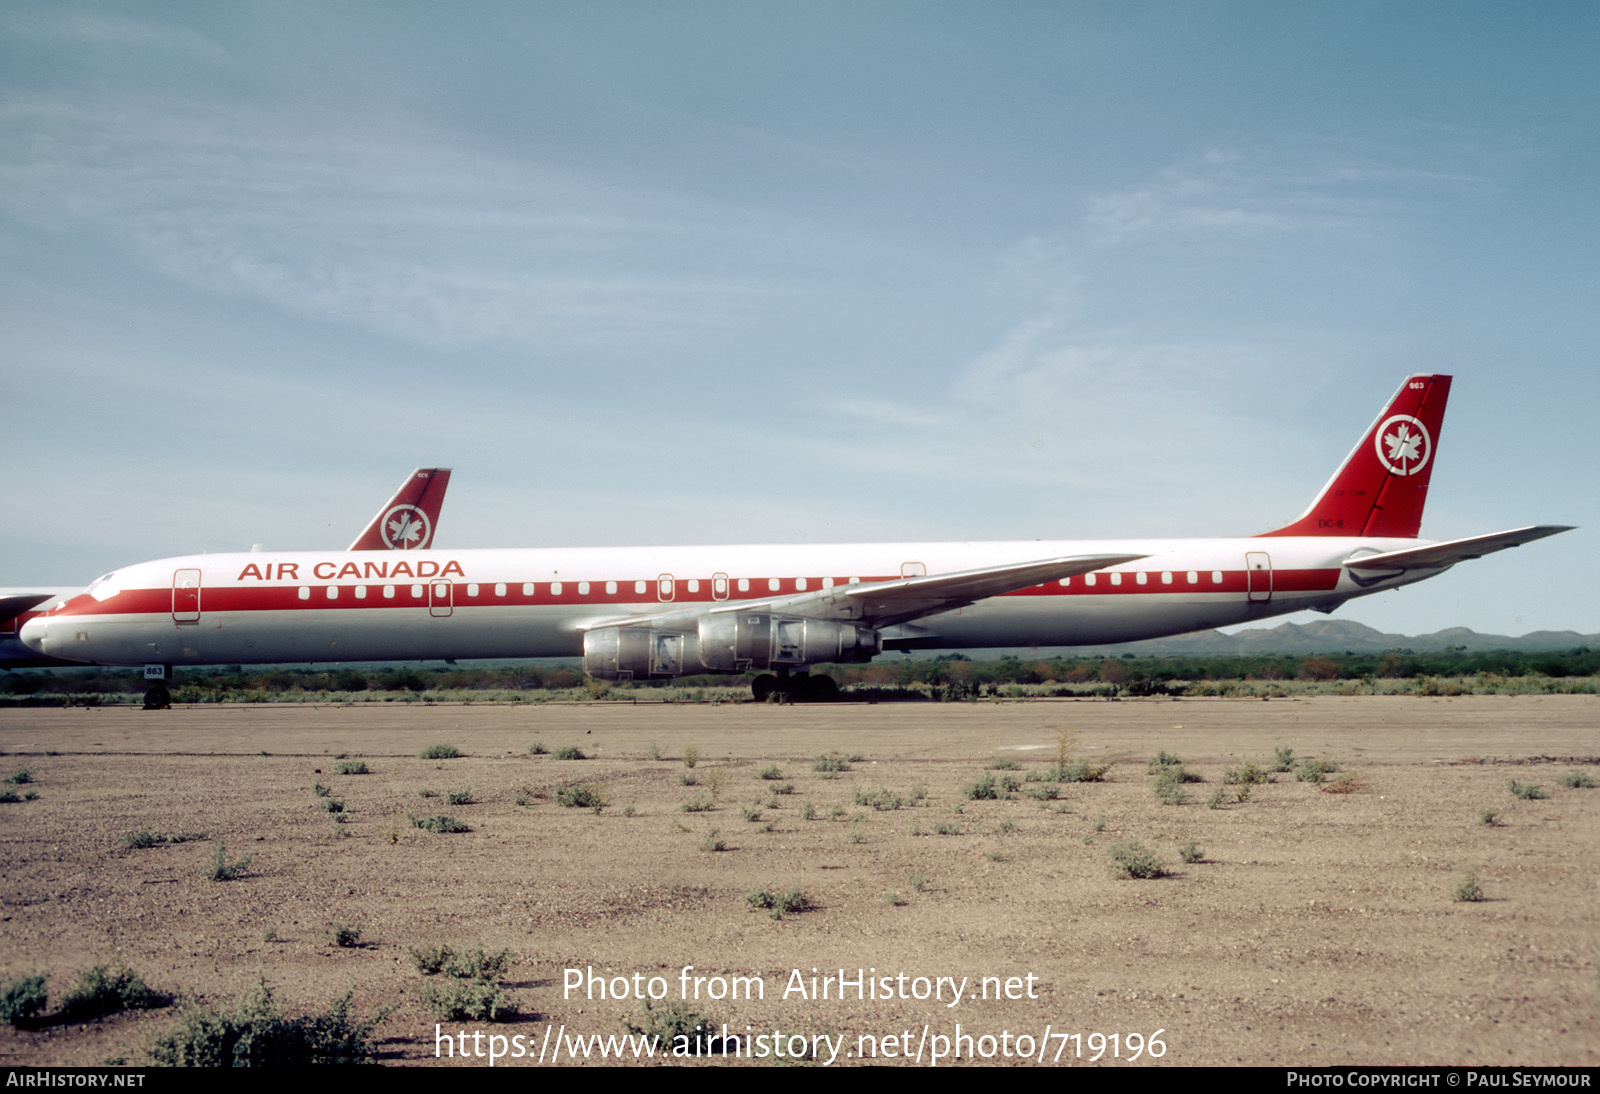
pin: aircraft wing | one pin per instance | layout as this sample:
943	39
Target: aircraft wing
884	603
1436	555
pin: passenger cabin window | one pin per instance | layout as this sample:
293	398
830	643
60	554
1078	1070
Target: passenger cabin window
1064	582
1116	579
638	588
611	588
361	592
388	592
1194	578
1216	577
583	588
555	588
1088	579
1166	577
799	584
744	584
333	592
472	589
772	584
500	589
527	588
305	592
416	591
827	583
1143	578
694	584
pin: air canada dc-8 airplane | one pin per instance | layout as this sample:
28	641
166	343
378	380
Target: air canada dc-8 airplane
636	613
406	522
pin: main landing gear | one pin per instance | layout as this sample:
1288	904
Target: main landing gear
803	688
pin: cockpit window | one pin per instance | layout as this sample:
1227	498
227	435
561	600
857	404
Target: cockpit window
105	586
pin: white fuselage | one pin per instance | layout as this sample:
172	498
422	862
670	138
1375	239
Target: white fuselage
341	606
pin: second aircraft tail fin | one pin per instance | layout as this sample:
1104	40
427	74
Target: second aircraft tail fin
407	520
1382	485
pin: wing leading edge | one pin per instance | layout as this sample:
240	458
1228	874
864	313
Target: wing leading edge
884	603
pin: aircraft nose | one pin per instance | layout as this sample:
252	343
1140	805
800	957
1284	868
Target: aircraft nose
35	634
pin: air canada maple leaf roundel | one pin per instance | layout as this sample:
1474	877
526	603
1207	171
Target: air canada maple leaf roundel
406	528
1403	444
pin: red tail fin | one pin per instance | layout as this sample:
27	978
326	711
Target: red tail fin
407	520
1380	489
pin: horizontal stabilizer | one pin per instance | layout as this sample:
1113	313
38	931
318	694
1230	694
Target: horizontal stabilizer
1436	555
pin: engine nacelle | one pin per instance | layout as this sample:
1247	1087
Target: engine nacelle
725	642
738	641
631	653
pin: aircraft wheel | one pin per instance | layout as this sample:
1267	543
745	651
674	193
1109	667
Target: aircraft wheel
157	697
763	686
824	689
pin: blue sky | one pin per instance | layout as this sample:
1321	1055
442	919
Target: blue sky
745	272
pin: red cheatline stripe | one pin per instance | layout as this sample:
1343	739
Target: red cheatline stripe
237	598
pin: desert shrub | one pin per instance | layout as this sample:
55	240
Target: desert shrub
255	1032
537	748
1077	771
1283	760
1489	818
441	752
1168	786
460	797
1005	765
469	1001
332	805
700	803
1135	860
23	1000
1162	759
569	752
476	964
807	810
431	960
344	935
1248	773
140	839
19	777
1528	791
679	1030
1191	853
1219	797
713	842
882	799
221	868
691	756
438	823
771	773
1577	780
1467	890
354	767
100	991
1314	771
790	901
830	763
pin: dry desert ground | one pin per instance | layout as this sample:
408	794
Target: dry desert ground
1316	927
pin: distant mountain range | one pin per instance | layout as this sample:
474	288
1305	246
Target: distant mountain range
1322	636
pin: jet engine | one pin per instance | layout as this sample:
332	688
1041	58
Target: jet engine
725	642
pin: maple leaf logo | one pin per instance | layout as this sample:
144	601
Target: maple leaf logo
405	527
1407	444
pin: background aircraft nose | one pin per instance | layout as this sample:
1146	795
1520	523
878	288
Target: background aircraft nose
35	633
